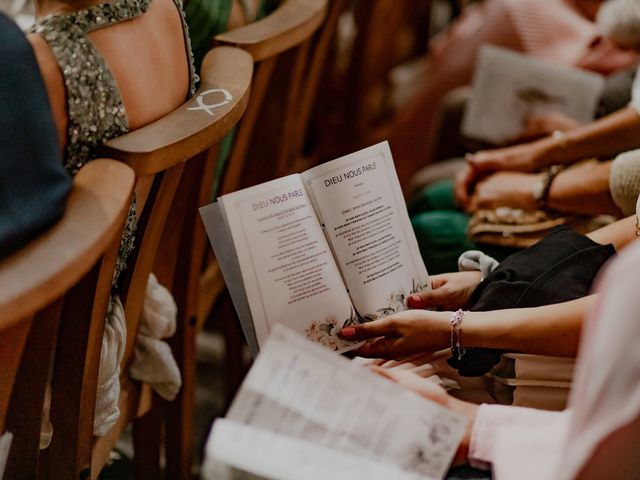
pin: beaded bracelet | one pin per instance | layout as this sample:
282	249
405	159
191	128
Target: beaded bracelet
456	326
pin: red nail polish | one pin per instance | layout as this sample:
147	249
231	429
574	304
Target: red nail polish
415	301
348	332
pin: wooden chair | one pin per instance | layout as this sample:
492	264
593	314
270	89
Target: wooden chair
67	269
159	153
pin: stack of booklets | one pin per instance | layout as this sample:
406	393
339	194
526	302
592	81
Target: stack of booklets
536	381
305	413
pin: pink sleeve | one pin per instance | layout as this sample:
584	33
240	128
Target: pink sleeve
492	418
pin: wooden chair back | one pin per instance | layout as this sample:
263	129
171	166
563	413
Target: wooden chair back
164	154
290	48
67	268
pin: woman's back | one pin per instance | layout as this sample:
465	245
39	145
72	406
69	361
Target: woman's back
139	64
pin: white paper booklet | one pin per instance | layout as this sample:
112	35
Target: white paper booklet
320	250
508	87
304	413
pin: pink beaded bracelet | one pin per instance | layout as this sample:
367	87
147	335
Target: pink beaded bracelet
456	326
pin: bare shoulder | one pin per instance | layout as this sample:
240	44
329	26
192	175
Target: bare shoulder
54	83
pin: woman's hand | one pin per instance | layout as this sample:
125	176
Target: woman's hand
402	334
449	291
437	394
525	157
463	186
505	189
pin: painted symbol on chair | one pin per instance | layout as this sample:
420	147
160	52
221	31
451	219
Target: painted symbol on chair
208	107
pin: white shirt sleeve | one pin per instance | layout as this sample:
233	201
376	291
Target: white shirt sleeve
490	447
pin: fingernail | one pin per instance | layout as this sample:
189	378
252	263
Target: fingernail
415	301
348	332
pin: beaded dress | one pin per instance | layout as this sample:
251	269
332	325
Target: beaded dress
95	108
96	114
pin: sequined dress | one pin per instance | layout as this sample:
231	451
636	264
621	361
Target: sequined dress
95	108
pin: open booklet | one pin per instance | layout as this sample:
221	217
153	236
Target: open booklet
508	87
317	251
304	413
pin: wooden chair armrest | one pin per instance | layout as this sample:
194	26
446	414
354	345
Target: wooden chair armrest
288	25
40	272
199	123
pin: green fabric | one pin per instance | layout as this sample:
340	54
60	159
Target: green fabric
223	157
206	19
266	7
441	229
442	238
438	196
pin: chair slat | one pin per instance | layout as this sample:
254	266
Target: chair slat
287	26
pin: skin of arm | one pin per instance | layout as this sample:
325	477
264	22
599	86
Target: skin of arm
606	137
619	233
603	138
139	73
583	189
547	330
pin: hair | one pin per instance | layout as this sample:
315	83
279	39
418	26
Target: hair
619	20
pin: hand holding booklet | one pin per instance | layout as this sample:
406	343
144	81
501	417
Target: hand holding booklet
317	251
304	413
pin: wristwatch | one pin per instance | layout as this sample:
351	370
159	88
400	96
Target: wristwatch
541	188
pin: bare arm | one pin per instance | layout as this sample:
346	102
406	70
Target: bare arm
583	189
603	138
547	330
619	233
606	137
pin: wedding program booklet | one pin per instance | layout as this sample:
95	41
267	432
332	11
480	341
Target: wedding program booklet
508	87
318	251
304	413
